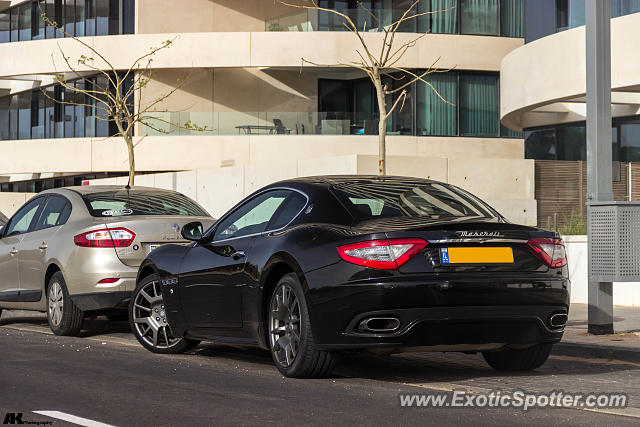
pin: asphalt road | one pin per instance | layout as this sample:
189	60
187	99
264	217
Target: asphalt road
106	377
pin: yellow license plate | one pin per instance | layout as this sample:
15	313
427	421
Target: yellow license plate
476	255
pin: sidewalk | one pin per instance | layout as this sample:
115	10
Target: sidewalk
623	345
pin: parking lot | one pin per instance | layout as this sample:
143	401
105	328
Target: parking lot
105	376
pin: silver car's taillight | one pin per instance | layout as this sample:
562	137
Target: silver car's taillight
105	238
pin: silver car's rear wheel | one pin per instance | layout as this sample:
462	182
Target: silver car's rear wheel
149	323
56	303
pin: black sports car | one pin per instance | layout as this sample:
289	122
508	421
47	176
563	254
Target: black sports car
310	267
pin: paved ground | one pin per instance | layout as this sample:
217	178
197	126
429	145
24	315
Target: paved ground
107	377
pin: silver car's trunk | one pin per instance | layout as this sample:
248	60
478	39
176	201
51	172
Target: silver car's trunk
150	232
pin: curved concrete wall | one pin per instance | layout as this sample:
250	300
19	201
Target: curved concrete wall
551	70
248	49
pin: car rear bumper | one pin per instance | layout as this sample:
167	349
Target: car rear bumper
467	312
101	300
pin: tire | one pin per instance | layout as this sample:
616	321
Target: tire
526	359
62	314
148	321
292	347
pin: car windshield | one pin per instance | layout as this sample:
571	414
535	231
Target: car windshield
421	199
141	202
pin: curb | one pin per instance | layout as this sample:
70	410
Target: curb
596	351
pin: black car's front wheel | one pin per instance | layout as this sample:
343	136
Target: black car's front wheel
148	320
290	337
526	359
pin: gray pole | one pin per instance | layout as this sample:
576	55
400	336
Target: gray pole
599	173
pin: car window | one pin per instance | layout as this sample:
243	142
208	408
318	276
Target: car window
252	217
412	199
141	202
3	219
21	221
54	212
291	207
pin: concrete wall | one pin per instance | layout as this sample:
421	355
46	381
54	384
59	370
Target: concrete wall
624	294
10	202
553	68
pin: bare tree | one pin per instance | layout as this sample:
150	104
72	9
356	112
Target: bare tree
383	62
119	101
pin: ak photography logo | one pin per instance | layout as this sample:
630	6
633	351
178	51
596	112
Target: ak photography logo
17	418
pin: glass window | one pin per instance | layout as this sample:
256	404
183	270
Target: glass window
417	198
479	104
52	213
512	18
37	115
445	21
69	112
479	17
5	104
50	9
69	17
102	119
252	217
291	207
569	14
24	115
102	17
3	221
37	23
5	26
141	202
434	116
624	7
21	221
80	17
13	118
79	110
114	16
630	141
24	21
90	17
14	23
58	112
49	116
59	17
572	142
541	144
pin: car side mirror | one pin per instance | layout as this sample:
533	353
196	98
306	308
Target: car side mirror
193	231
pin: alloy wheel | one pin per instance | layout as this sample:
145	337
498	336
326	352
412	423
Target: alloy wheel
285	325
150	318
56	303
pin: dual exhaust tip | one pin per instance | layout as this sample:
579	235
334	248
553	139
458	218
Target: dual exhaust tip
379	324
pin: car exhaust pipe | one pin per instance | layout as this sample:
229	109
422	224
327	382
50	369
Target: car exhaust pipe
558	320
379	324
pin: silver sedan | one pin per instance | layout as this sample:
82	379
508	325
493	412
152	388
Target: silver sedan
73	251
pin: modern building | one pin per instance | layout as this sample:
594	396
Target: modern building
543	93
267	117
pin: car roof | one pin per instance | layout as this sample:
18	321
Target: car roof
331	180
92	189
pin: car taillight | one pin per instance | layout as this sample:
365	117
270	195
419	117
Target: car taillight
381	254
105	238
550	251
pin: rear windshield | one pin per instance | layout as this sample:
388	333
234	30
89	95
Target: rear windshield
413	199
125	203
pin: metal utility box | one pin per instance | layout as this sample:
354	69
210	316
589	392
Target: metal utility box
614	241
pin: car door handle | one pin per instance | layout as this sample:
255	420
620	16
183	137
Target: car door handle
43	246
14	251
238	254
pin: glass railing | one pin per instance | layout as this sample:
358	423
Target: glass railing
312	20
265	123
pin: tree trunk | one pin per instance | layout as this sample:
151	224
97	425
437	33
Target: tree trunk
132	161
382	125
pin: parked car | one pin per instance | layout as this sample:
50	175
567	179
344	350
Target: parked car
73	251
313	266
3	220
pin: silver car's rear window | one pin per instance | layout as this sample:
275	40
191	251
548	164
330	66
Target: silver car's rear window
141	202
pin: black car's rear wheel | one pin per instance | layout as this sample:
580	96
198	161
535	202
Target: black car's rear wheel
148	320
290	337
525	359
